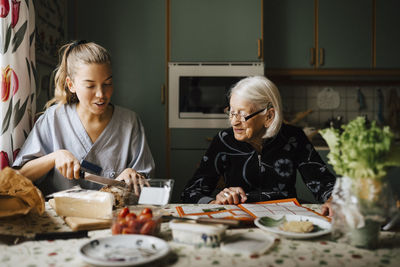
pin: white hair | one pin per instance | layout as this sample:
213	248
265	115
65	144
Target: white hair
263	94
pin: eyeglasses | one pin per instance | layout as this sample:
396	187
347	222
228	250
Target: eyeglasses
241	116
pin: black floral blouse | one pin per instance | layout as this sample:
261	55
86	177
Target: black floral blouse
266	176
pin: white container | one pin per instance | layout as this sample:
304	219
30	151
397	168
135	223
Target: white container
197	234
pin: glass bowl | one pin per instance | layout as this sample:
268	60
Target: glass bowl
143	221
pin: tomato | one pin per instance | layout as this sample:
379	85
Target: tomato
121	221
134	225
130	223
116	229
127	230
147	228
147	211
130	216
145	217
123	212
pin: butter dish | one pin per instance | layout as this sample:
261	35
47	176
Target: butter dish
197	234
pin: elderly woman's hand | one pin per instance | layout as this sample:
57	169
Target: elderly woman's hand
326	208
133	179
231	195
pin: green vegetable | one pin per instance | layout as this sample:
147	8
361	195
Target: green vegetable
361	150
270	222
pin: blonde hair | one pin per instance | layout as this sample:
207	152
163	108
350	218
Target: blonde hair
263	94
71	55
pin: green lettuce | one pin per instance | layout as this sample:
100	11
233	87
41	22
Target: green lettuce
361	150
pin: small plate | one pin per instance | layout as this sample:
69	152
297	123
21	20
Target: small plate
250	243
123	250
324	227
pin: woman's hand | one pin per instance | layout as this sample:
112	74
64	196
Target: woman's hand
231	195
133	179
66	163
326	208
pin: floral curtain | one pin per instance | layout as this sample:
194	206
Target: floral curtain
18	76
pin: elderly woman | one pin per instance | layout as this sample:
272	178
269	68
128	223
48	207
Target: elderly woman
258	157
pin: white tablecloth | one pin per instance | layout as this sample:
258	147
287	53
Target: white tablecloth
285	252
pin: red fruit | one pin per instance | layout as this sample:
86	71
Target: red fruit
116	229
147	211
130	216
147	228
123	212
127	230
134	225
145	217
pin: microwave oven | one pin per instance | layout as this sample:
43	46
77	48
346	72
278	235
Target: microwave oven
198	92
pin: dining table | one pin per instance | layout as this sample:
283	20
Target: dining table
319	251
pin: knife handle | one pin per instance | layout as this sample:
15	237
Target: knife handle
61	235
90	167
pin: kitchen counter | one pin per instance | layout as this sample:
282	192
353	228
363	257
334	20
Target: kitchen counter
285	252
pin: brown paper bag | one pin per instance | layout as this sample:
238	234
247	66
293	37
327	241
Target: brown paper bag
18	195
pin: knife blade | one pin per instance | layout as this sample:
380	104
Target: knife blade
103	180
18	239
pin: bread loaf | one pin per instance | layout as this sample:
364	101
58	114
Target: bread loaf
122	197
18	195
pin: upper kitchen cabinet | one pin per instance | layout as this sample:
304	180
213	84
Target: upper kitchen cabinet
387	34
289	34
318	34
209	30
344	34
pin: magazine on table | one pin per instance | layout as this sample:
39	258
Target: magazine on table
249	211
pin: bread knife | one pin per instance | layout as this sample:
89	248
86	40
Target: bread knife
103	180
17	239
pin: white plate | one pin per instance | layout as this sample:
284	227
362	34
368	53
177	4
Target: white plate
123	250
250	243
325	226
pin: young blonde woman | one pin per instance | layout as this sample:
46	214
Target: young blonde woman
80	123
259	155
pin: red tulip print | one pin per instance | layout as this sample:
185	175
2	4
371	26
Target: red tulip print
8	81
4	8
15	153
15	12
3	160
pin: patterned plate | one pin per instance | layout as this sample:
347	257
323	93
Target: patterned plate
321	226
123	250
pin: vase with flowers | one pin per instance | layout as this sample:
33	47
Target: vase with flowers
361	153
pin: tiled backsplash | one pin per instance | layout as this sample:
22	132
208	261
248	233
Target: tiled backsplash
301	98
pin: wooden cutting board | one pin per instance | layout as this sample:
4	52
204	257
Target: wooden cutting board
78	223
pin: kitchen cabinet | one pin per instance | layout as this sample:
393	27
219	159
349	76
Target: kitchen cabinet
387	34
318	34
187	149
183	165
209	30
344	34
133	31
289	34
